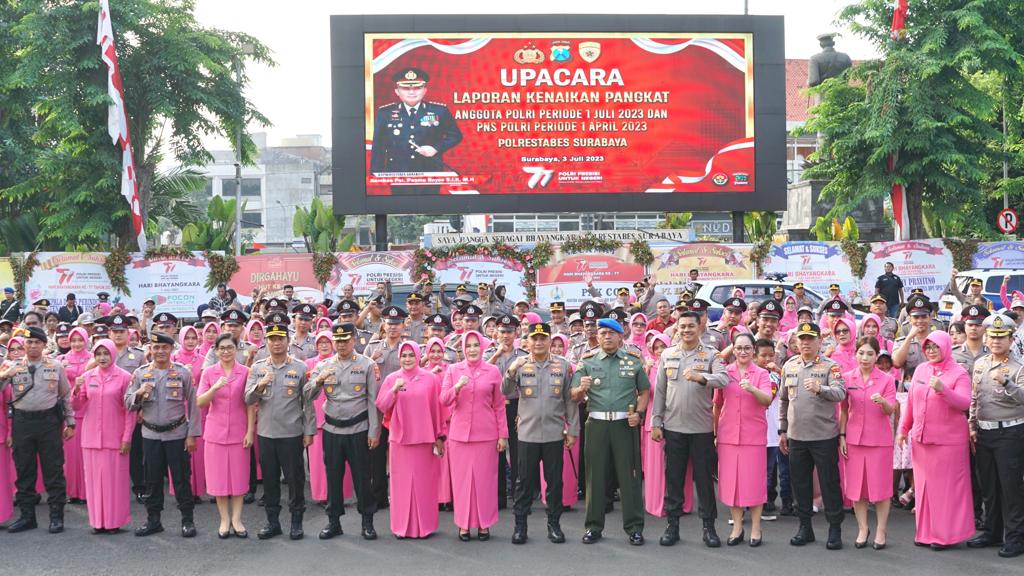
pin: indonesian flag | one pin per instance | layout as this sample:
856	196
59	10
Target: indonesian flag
117	120
899	194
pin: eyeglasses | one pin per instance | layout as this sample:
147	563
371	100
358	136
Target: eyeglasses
743	348
842	332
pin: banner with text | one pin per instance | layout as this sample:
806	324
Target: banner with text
270	272
473	269
672	265
363	270
999	255
924	264
177	285
61	273
816	264
565	278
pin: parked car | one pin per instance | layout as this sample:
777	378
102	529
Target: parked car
717	292
992	279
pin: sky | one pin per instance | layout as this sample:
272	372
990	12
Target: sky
296	94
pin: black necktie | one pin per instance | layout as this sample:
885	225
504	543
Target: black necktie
412	112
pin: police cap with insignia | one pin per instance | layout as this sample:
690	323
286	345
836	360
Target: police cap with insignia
976	282
622	291
778	288
100	331
616	314
999	326
557	307
798	286
737	304
770	309
508	323
590	315
414	297
394	315
410	77
917	291
348	307
41	302
473	311
277	317
342	331
686	295
36	333
161	338
836	308
808	329
539	329
437	321
64	329
461	288
165	318
637	285
700	306
919	306
682	305
305	311
833	286
973	314
118	322
277	330
879	298
591	305
233	317
277	304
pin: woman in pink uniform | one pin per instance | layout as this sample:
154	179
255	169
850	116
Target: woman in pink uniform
189	356
209	333
742	432
6	460
107	428
477	434
790	317
75	363
871	325
435	362
229	432
315	451
865	441
653	453
936	424
410	398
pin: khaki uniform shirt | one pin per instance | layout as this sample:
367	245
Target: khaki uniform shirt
351	389
681	405
172	398
806	416
41	390
546	408
283	411
994	402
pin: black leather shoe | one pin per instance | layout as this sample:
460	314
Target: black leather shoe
860	545
368	531
149	528
296	532
710	536
465	536
737	540
636	539
188	529
671	535
878	545
835	538
941	547
249	497
983	540
1011	549
332	529
99	530
555	534
519	532
269	531
22	524
224	535
591	536
805	535
786	510
483	535
755	542
56	524
260	502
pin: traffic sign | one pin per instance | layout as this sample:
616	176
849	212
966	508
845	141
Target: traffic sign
1007	221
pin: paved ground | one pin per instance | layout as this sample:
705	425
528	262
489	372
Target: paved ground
79	552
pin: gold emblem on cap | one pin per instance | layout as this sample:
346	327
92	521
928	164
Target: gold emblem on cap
806	328
998	322
410	75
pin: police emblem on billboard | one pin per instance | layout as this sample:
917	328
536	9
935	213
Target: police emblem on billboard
589	51
528	54
720	179
561	51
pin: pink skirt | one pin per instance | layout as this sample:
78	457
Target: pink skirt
107	488
198	463
570	478
74	469
414	476
868	473
942	489
444	486
227	469
742	475
475	475
6	482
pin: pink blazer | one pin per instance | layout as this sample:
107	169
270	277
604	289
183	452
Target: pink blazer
478	409
938	417
415	413
742	419
866	424
226	420
106	423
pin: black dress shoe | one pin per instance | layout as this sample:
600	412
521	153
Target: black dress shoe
1011	549
786	510
465	536
296	532
941	547
755	542
249	497
519	532
99	530
555	534
737	540
983	540
368	531
920	544
835	538
805	535
636	539
149	528
860	545
140	497
671	535
188	529
332	529
591	536
710	536
878	546
223	535
269	531
260	502
56	525
243	534
483	535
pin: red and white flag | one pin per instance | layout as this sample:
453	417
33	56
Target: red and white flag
899	194
117	121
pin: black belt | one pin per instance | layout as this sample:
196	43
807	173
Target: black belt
347	422
159	429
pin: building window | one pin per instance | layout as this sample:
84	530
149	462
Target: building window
251	187
209	187
252	219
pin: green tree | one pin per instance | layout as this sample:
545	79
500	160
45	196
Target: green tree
320	229
676	220
217	231
407	229
60	162
920	103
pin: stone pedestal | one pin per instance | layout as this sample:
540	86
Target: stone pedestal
803	207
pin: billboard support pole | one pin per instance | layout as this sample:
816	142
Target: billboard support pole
737	227
382	232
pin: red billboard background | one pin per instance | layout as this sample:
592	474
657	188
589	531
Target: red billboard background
660	113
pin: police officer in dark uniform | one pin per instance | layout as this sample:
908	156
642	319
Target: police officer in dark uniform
40	406
412	135
348	311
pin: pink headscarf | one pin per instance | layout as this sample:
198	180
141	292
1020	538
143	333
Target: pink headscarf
109	345
84	355
184	355
17	340
883	344
789	319
204	346
947	367
434	341
248	333
635	337
323	323
531	318
323	335
565	342
484	342
846	354
408	374
104	308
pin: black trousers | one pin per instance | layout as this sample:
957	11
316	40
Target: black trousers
161	456
37	438
508	463
530	457
279	455
353	449
136	457
1000	458
679	450
253	470
804	458
379	469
